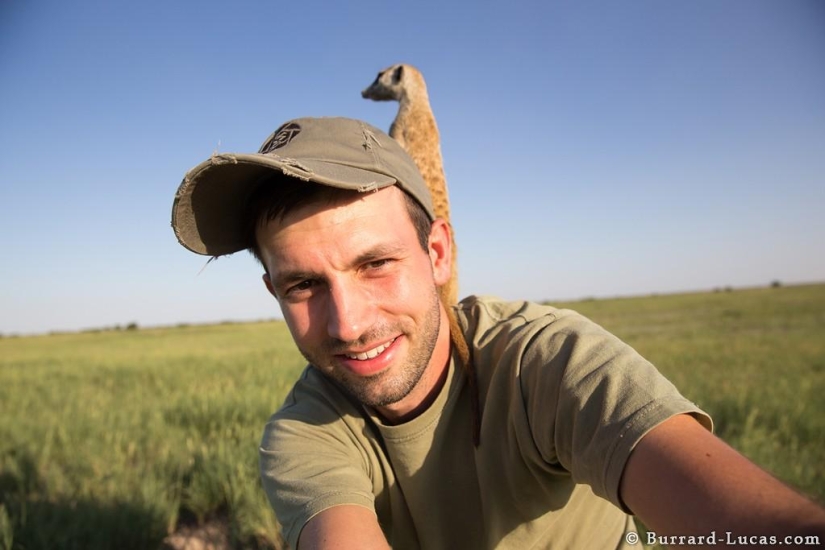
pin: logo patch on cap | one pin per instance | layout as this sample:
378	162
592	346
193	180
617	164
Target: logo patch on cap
282	136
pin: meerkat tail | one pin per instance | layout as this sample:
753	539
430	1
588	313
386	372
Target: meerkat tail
463	352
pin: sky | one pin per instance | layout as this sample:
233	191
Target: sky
591	148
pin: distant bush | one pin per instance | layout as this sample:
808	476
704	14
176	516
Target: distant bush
132	326
776	284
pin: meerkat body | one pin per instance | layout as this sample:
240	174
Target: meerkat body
415	129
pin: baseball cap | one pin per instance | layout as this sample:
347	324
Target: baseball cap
211	203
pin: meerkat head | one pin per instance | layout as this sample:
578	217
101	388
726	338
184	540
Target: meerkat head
388	85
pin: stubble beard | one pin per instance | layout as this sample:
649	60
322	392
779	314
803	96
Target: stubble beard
393	384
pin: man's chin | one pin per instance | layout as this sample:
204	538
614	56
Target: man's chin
371	392
378	390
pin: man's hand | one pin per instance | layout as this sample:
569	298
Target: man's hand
682	480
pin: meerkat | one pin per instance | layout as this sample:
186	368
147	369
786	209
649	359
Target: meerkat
415	129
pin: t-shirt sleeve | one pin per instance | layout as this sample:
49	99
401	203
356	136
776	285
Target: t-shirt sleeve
310	461
590	398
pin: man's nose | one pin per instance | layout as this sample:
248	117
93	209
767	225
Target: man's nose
349	312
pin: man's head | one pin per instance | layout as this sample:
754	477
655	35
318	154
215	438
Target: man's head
345	232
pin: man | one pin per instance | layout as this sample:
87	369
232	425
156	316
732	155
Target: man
375	443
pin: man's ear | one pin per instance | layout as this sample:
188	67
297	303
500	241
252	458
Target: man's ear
268	283
441	251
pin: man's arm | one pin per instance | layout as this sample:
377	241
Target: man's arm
682	480
343	527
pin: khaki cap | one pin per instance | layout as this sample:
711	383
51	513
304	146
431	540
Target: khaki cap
210	205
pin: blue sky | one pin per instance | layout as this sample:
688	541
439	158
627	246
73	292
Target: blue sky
591	148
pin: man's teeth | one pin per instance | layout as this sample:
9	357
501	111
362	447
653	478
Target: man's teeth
375	352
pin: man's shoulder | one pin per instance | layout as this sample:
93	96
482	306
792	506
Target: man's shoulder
485	317
497	308
528	337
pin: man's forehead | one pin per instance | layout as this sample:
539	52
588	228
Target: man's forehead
344	226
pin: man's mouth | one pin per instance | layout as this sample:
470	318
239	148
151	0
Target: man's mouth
370	354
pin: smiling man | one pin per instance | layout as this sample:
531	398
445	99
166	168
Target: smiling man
379	443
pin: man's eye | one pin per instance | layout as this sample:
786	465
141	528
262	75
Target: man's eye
377	264
303	285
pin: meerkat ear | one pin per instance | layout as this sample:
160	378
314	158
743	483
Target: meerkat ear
398	74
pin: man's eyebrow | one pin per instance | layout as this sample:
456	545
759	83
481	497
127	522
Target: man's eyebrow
377	253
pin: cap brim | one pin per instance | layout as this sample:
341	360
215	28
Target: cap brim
210	205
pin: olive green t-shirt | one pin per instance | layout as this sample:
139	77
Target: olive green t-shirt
563	403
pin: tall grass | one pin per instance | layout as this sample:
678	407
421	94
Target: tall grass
109	440
113	439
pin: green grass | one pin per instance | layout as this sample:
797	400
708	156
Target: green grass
108	440
112	439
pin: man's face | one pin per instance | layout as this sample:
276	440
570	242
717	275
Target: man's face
359	295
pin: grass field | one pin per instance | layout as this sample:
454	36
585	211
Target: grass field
114	439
